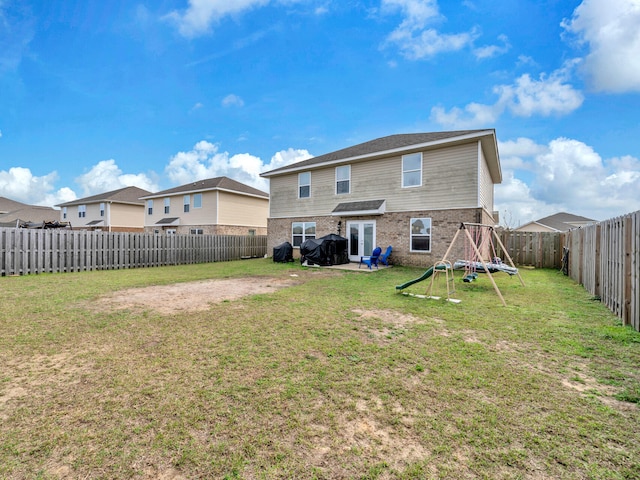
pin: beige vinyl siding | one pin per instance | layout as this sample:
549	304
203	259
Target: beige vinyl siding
206	215
486	183
449	180
243	210
123	215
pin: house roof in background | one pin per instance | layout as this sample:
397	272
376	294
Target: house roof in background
30	213
217	183
562	221
122	195
391	144
8	205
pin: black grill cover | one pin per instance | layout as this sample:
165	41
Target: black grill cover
283	253
327	250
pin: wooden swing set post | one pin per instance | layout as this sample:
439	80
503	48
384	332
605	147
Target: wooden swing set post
484	264
507	255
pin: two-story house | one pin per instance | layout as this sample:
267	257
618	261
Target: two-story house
214	206
115	211
410	191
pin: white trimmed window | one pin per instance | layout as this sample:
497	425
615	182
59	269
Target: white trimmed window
64	212
82	211
149	207
196	231
197	200
187	203
304	185
420	235
412	170
167	205
102	209
302	231
343	179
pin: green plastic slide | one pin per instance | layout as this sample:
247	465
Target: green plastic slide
424	276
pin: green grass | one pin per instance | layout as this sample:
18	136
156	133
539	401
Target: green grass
335	376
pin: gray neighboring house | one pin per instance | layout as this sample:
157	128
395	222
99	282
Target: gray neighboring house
559	222
119	210
410	191
16	214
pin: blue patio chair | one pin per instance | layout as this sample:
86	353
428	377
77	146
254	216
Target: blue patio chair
384	258
371	260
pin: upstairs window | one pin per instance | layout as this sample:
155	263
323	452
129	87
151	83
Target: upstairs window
64	212
304	185
150	207
167	205
412	170
82	211
343	179
197	200
187	203
102	209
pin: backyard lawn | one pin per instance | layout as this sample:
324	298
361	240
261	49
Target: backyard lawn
257	370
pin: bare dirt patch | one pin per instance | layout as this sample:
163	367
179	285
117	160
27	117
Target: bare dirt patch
193	296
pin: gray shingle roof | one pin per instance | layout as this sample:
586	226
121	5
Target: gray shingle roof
30	213
563	221
222	183
122	195
365	205
8	205
383	144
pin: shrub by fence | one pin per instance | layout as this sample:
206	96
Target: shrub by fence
27	251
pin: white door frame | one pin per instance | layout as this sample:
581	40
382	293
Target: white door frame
361	249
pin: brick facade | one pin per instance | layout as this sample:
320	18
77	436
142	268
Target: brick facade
393	229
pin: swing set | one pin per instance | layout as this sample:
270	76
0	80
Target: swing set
479	247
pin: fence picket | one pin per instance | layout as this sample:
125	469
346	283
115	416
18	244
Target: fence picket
25	251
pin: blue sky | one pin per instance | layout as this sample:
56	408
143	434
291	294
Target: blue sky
98	95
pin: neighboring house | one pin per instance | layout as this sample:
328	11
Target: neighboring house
560	222
16	214
215	206
410	191
116	211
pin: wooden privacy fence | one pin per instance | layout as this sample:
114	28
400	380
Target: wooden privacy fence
605	258
538	249
26	251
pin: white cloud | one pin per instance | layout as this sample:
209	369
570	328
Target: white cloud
206	161
490	51
106	176
516	204
232	100
549	95
567	175
610	29
19	184
414	40
201	14
197	106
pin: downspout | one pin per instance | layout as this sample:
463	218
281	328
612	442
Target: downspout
109	215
